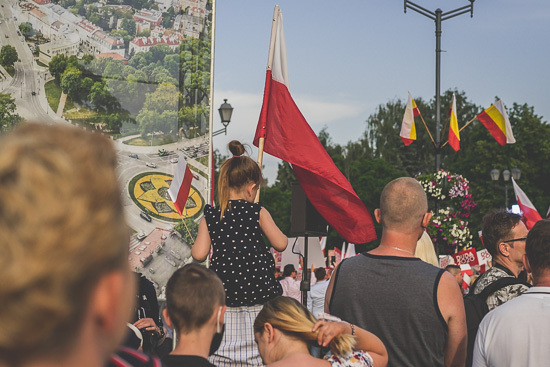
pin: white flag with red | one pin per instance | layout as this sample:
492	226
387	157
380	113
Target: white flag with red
530	213
181	185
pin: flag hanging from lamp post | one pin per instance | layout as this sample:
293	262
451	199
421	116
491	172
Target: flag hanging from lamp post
283	132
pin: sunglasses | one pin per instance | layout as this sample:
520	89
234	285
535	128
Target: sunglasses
515	239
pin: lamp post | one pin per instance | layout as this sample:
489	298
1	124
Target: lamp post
495	174
225	111
438	16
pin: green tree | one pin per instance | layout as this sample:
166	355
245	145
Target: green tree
71	82
26	29
57	66
8	117
129	25
8	55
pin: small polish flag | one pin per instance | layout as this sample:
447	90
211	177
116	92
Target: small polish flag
181	185
530	213
466	270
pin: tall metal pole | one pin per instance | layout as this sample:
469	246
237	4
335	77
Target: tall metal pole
438	16
437	89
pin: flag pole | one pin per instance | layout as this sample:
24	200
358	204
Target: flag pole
462	128
187	228
426	126
274	26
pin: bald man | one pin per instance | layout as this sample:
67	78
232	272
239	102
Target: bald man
415	308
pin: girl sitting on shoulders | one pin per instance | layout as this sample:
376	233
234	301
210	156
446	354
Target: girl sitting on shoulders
239	255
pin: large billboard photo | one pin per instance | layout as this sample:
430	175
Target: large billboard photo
138	71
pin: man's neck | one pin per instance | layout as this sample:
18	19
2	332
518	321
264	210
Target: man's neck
391	241
511	266
196	343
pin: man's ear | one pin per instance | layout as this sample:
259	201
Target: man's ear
426	219
377	215
167	318
503	249
526	263
222	316
108	305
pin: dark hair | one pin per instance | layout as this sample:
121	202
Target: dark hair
288	270
537	247
320	274
235	173
192	294
496	226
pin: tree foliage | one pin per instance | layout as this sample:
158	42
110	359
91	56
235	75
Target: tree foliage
8	117
8	55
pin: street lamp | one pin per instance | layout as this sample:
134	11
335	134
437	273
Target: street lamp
495	173
438	17
225	114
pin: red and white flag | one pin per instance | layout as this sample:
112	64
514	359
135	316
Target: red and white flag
289	137
350	251
530	213
181	185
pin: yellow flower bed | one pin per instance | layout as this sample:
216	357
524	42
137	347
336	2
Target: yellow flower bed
151	197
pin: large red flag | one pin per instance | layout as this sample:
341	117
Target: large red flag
530	213
289	137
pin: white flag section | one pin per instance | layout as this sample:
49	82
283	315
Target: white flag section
181	184
530	213
350	251
323	243
548	213
314	254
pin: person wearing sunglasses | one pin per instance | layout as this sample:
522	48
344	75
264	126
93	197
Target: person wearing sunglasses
504	236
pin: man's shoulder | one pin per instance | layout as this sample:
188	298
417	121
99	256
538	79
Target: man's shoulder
489	277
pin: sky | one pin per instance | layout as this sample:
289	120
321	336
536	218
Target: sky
347	58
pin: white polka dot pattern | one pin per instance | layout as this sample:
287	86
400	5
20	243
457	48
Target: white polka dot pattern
240	256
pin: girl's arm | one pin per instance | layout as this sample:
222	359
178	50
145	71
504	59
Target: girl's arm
274	235
364	339
201	248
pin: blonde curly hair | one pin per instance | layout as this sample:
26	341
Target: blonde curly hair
61	228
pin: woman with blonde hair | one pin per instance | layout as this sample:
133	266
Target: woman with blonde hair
425	250
284	330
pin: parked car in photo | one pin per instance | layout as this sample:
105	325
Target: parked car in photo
174	160
134	155
151	164
145	216
141	236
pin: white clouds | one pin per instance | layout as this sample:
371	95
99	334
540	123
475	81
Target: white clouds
246	111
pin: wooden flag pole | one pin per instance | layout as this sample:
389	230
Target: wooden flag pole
462	128
261	142
187	228
426	126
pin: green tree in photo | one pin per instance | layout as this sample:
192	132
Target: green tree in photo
8	55
8	117
129	25
57	66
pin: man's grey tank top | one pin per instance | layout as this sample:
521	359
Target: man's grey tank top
396	299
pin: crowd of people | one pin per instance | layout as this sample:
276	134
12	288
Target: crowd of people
70	298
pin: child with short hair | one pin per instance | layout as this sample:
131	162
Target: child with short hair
239	255
195	309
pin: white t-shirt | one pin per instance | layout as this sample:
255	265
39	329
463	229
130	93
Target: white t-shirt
291	288
516	333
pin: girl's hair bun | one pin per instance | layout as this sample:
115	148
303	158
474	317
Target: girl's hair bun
236	148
